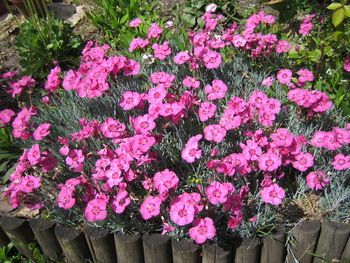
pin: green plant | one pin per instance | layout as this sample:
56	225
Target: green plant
112	16
9	153
41	42
8	255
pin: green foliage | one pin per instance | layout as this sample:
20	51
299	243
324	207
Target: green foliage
9	153
8	255
43	41
112	17
340	12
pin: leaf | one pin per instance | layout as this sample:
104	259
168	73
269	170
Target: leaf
347	10
189	20
6	177
338	17
293	53
338	35
3	165
334	6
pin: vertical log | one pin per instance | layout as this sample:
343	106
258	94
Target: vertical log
129	248
248	251
216	254
101	244
157	248
273	248
73	244
19	232
185	251
332	241
346	253
44	232
305	239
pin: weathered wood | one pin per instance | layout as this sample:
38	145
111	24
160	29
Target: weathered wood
248	251
157	248
101	244
73	244
44	232
4	240
305	239
185	251
346	252
19	232
215	254
332	241
129	248
273	248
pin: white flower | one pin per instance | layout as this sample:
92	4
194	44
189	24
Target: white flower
168	24
148	58
211	8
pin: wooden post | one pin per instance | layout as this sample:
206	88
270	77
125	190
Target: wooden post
346	253
19	232
101	244
273	248
185	251
157	248
304	244
248	251
332	241
44	232
217	254
129	248
73	244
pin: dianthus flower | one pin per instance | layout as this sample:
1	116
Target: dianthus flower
154	31
272	194
42	131
317	180
156	94
217	90
218	192
283	46
303	161
144	124
341	162
284	76
214	133
191	151
269	162
206	111
150	207
191	82
6	115
96	209
202	230
268	81
135	22
212	59
182	213
161	51
112	128
130	100
165	180
282	137
138	43
120	202
53	79
251	150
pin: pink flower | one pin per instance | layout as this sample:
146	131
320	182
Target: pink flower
303	161
138	43
182	213
150	207
96	209
217	90
144	124
154	31
165	180
120	202
53	79
34	154
6	115
235	221
75	159
191	82
182	57
206	111
42	131
65	198
272	194
239	41
135	22
283	46
317	180
251	151
341	162
268	81
269	162
191	152
130	100
112	128
212	59
202	230
229	120
131	67
284	76
29	183
346	66
305	28
161	51
71	80
218	192
282	137
9	75
156	94
214	133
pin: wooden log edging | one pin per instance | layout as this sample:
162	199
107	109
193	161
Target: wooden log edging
312	241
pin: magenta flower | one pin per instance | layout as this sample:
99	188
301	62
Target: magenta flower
120	202
29	183
138	43
182	213
135	22
191	82
272	194
112	128
284	76
150	207
269	162
217	90
130	100
341	162
206	111
251	150
317	180
144	124
268	81
303	161
191	152
65	198
156	94
34	154
53	79
214	133
282	137
154	31
212	59
6	115
165	180
218	192
161	51
96	209
182	57
202	230
42	131
283	46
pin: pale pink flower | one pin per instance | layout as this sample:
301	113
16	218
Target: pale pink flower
272	194
202	230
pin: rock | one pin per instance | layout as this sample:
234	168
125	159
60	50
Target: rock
69	13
